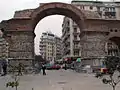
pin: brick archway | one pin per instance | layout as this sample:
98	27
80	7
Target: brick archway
19	31
60	9
114	37
113	44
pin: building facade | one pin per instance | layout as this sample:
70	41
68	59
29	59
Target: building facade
71	34
50	46
70	38
58	47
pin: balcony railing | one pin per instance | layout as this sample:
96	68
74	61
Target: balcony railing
76	40
76	47
76	33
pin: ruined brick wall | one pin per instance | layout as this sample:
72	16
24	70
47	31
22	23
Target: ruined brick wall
3	48
21	46
23	13
93	44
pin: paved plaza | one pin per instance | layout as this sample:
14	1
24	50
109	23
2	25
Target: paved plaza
58	80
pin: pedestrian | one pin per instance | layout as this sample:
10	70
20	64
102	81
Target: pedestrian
43	68
36	68
20	68
65	66
0	66
40	67
4	67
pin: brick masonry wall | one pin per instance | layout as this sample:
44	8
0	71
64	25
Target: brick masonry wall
21	45
93	44
23	13
3	48
93	48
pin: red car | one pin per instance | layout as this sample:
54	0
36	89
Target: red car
56	67
104	70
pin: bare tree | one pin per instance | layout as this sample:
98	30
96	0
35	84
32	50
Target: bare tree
112	76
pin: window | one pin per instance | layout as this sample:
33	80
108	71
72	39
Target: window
113	9
115	30
98	8
83	7
68	23
75	29
106	9
75	37
76	53
111	30
91	7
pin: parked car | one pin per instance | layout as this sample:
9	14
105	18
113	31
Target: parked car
103	70
56	67
52	67
48	66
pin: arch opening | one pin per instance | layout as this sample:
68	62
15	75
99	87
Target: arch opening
45	25
113	46
67	10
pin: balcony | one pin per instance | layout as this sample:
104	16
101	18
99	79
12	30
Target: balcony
76	33
67	44
76	40
42	45
66	37
67	51
110	15
76	47
74	24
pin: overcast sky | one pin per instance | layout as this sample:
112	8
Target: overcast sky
8	7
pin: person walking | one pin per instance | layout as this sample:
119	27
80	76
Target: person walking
36	68
4	67
40	67
43	68
65	66
20	67
0	66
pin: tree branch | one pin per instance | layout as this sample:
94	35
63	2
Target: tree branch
117	81
112	81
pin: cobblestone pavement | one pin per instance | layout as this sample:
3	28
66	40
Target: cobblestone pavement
58	80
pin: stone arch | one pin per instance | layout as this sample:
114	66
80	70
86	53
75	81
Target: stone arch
58	8
115	37
112	44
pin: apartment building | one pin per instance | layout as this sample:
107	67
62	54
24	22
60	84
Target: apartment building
108	10
50	47
58	47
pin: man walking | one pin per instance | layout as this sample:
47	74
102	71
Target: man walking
0	66
20	68
4	67
43	68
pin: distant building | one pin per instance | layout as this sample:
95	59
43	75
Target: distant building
70	38
50	47
58	47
